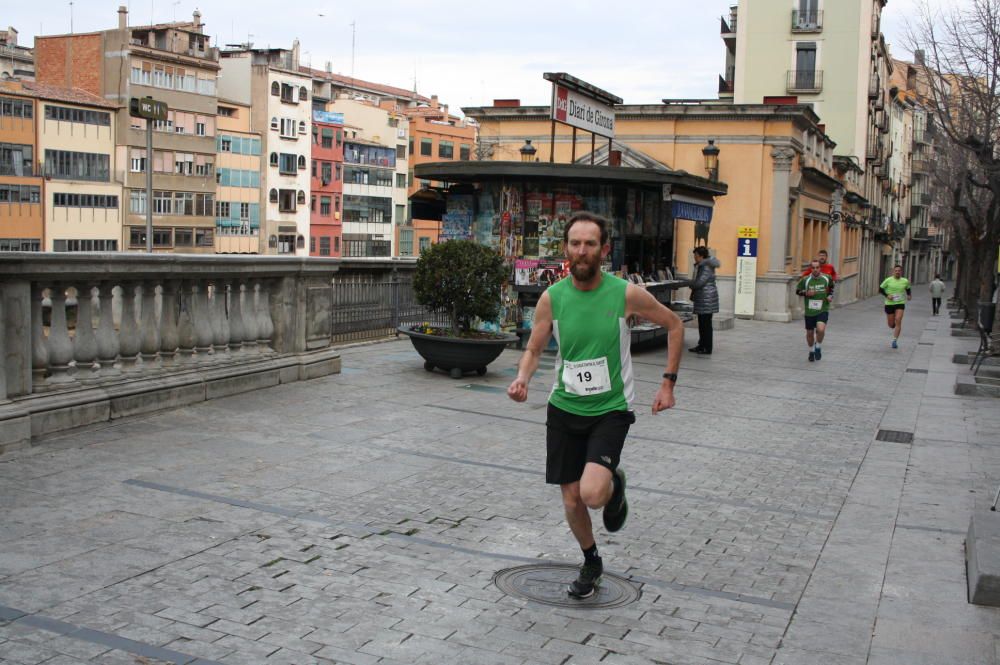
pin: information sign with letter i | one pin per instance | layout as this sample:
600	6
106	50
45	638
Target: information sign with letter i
746	270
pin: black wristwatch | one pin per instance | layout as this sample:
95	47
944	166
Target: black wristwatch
670	375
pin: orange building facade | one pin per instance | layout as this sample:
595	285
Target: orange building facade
22	225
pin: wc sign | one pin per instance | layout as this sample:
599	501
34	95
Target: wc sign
746	270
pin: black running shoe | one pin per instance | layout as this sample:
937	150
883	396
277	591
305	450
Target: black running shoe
616	511
819	354
586	583
812	356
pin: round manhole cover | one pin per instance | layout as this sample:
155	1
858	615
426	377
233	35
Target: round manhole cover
546	583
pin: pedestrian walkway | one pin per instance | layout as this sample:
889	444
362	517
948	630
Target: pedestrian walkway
360	518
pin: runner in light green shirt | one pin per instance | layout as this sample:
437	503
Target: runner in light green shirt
896	290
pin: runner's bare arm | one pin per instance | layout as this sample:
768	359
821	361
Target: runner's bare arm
641	302
541	330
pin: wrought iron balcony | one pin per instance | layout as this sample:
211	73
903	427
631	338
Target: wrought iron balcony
804	80
807	21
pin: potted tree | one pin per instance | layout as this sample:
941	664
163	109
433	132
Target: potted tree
462	279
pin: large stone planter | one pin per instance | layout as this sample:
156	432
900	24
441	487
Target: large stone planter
457	355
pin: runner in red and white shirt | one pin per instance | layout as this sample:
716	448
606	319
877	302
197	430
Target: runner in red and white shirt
825	268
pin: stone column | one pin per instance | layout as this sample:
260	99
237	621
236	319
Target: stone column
249	320
85	343
39	345
107	336
236	327
59	345
265	329
186	338
128	333
217	318
201	315
169	338
782	159
150	329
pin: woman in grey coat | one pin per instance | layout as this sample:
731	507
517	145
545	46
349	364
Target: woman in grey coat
704	297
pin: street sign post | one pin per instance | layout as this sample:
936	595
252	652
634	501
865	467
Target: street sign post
746	270
150	110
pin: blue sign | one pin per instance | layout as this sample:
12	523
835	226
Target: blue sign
328	116
692	211
746	248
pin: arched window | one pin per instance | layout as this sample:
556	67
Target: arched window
273	196
303	94
302	126
300	242
272	242
274	159
301	198
302	163
275	88
274	123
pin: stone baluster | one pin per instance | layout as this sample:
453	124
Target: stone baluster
107	336
85	342
169	338
250	320
236	326
186	338
202	316
129	340
265	327
150	345
60	346
39	345
220	340
225	318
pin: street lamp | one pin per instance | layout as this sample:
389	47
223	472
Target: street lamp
711	153
528	151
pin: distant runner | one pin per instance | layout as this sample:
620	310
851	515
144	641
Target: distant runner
896	290
817	290
825	268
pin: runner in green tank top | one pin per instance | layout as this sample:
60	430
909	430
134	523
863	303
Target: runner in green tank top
590	404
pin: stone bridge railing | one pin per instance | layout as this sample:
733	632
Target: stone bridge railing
92	337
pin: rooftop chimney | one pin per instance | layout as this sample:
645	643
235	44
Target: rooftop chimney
197	18
918	56
295	54
122	17
329	67
434	101
11	36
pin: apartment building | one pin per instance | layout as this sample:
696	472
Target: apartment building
375	177
16	61
327	184
170	62
435	136
22	227
238	196
269	81
833	57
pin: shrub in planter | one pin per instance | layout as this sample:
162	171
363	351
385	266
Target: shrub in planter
462	279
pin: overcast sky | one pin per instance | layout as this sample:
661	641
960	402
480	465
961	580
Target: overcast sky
640	50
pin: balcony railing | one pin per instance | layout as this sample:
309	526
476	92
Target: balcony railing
807	21
122	334
804	80
921	167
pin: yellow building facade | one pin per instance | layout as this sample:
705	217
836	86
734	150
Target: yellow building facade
776	160
238	198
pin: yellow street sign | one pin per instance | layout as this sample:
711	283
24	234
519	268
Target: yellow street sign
747	232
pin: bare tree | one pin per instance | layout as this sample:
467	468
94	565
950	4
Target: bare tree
961	85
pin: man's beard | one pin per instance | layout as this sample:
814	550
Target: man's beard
584	269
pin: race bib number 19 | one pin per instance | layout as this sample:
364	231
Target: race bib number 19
586	377
815	304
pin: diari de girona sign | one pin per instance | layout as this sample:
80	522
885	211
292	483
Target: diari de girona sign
577	110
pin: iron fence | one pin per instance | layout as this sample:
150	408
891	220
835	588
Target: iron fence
370	306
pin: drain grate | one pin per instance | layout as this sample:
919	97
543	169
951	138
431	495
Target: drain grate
916	371
546	583
894	436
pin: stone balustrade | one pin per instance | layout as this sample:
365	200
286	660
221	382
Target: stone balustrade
91	337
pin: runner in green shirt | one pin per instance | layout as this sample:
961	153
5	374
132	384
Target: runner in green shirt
817	290
896	290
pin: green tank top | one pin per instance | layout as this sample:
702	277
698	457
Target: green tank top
594	365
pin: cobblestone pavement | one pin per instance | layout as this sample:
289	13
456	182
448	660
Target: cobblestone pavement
360	518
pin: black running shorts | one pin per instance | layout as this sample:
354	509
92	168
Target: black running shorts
572	441
811	321
889	309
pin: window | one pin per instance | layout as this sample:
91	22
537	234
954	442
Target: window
287	164
67	165
16	159
226	112
138	162
446	149
302	163
327	141
302	127
287	130
424	243
68	200
411	144
400	180
301	198
287	93
286	244
274	123
324	246
137	202
312	203
406	242
324	206
337	169
11	193
274	159
16	108
426	147
805	65
82	116
313	168
340	136
336	244
273	196
225	144
183	237
222	209
199	128
85	245
327	170
400	152
275	88
400	214
303	94
204	237
464	151
336	204
162	237
20	245
312	244
286	200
